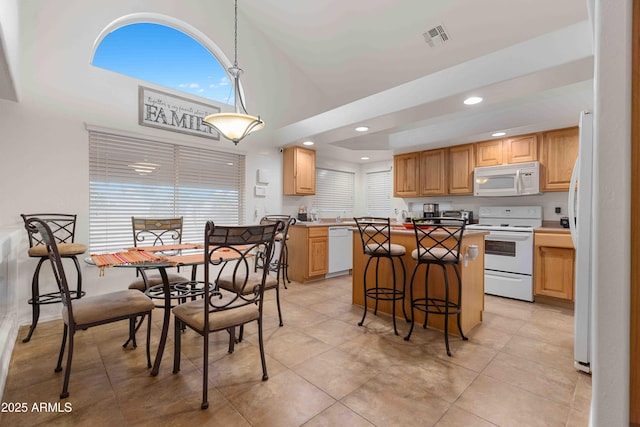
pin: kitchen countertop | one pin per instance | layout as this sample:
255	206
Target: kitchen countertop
324	223
552	226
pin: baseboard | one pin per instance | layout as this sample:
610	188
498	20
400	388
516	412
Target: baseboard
558	302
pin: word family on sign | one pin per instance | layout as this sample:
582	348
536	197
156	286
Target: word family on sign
174	113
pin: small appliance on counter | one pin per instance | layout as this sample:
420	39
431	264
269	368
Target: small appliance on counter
460	214
430	210
302	214
564	221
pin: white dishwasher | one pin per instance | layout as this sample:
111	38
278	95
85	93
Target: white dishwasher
340	250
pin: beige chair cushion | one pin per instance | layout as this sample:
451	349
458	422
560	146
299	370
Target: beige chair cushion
440	254
393	250
226	282
108	306
192	314
155	279
63	249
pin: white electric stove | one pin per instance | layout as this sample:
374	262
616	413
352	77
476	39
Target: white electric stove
508	249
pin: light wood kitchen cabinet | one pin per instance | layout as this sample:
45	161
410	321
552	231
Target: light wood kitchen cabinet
489	153
554	264
460	167
406	175
433	176
520	149
558	150
299	171
308	253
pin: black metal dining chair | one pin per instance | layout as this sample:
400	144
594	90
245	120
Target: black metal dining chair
225	310
81	314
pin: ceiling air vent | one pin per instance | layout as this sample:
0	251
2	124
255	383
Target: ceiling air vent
436	36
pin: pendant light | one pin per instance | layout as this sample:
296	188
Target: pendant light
235	126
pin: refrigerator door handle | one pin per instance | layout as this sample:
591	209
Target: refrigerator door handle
572	202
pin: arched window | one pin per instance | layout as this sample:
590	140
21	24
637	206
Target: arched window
165	56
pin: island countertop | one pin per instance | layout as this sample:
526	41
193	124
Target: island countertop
472	274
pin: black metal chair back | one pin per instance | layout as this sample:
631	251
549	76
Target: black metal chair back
62	226
375	235
438	240
156	231
281	233
243	241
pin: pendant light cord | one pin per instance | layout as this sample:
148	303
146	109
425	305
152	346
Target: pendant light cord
235	38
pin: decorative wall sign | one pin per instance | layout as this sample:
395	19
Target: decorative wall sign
174	113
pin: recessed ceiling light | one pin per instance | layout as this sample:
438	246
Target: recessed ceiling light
307	143
499	134
362	129
473	100
364	158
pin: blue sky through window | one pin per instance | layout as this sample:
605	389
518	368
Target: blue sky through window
167	57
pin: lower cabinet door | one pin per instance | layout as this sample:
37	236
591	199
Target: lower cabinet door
318	256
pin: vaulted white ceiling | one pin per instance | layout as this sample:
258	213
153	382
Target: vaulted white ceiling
531	61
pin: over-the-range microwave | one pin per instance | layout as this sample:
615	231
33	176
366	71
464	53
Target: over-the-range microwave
520	179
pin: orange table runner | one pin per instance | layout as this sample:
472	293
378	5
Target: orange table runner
139	256
129	257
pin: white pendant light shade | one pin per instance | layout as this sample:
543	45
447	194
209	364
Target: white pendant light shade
234	126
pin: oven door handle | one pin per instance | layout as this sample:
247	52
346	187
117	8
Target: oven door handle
506	236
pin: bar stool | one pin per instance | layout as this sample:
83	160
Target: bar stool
376	243
437	243
63	227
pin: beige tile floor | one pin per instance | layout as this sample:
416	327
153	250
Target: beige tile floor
324	370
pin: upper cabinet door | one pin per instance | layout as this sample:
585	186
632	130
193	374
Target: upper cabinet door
405	175
299	171
489	153
523	148
433	175
461	164
559	151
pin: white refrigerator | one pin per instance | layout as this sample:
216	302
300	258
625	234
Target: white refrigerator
580	209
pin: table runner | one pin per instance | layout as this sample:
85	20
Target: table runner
129	257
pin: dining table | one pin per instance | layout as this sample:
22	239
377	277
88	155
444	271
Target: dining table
152	257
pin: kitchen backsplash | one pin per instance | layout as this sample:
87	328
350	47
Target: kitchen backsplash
548	201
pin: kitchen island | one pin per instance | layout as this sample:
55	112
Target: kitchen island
472	280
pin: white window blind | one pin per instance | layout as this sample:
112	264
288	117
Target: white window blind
378	193
334	192
138	177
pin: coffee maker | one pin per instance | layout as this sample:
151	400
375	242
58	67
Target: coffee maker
430	210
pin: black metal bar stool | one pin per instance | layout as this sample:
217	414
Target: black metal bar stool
437	243
63	227
376	243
